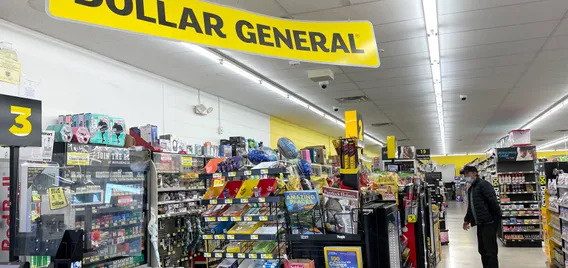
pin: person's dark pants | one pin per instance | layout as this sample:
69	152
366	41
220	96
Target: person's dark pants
487	244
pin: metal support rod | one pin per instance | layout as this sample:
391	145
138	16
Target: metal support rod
14	168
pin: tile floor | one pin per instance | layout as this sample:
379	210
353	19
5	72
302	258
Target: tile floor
461	252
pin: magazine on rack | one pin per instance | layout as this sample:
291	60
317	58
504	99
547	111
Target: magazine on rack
340	208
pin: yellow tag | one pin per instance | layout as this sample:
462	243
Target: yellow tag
232	174
244	200
213	201
262	218
236	219
241	255
247	218
218	182
220	236
186	161
223	219
218	255
261	200
266	256
412	218
210	219
254	237
230	237
206	237
263	171
247	173
77	159
253	256
229	255
57	198
216	175
228	201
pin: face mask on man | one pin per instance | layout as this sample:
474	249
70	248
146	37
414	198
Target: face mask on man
468	179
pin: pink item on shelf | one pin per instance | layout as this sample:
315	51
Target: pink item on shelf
306	155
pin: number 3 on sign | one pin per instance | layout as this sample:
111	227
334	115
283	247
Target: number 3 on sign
23	126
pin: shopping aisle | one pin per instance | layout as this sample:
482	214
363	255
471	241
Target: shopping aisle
462	250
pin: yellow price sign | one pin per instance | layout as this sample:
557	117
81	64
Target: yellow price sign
21	124
186	161
236	219
230	237
253	256
412	218
254	237
218	182
57	198
207	237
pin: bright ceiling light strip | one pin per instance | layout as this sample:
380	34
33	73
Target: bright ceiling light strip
552	143
544	115
239	70
430	9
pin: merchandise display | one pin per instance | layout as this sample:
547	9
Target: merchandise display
556	213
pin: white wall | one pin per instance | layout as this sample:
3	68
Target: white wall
74	80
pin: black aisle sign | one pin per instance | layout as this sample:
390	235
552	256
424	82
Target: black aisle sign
20	121
423	154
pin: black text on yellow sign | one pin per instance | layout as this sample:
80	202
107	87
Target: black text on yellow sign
354	127
57	198
20	121
340	43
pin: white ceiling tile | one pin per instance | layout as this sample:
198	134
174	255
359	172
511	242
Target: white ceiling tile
403	60
562	28
400	30
451	6
481	63
491	50
502	16
390	73
557	42
302	6
497	35
403	47
409	80
333	86
489	71
466	85
379	12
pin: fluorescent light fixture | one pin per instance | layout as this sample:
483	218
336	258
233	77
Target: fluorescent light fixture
552	143
298	101
340	123
544	115
203	52
330	118
241	71
430	9
367	137
316	110
275	89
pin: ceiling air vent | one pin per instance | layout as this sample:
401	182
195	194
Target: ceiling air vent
381	124
540	139
402	140
561	130
352	99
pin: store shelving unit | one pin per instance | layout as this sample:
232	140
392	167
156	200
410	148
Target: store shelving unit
177	190
516	183
220	246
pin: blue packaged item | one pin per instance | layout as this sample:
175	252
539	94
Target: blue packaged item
117	131
98	125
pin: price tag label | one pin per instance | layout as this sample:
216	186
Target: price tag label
241	255
261	200
210	219
412	218
186	161
78	159
218	255
206	237
229	255
213	201
220	236
253	256
228	201
223	218
216	175
120	240
263	171
230	237
21	118
254	237
263	218
247	173
244	200
232	174
248	218
218	182
236	219
266	256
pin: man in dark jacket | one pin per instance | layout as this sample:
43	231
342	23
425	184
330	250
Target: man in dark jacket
484	211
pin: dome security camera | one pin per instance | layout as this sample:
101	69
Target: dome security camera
323	84
463	97
335	109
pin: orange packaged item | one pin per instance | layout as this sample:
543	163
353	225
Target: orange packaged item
211	166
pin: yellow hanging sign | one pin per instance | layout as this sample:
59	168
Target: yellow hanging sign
57	198
334	42
354	127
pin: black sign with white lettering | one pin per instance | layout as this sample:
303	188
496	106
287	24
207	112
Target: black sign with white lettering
423	154
20	121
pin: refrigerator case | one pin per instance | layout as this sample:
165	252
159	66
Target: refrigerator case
382	239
